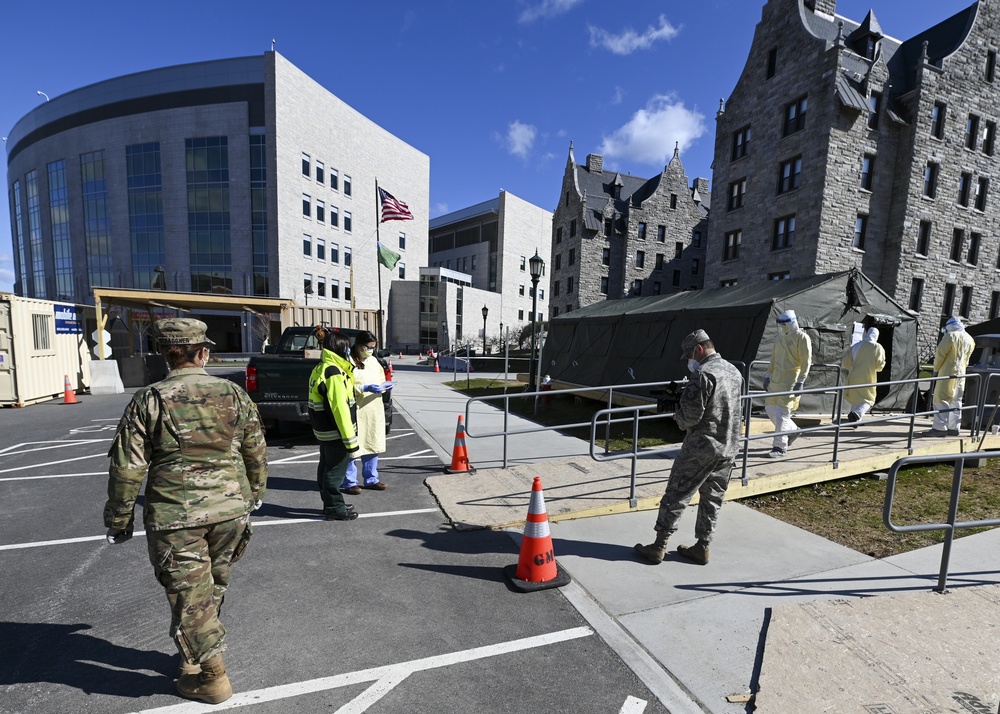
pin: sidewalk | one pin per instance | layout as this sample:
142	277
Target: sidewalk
812	625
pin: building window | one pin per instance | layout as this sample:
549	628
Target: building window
995	305
555	288
306	171
772	62
642	231
966	304
606	256
307	285
916	294
991	65
982	186
780	275
402	246
656	288
604	285
673	201
334	252
948	303
640	259
307	245
572	228
661	234
572	256
696	239
741	142
306	206
924	238
695	266
524	262
957	245
731	245
609	226
737	190
347	185
569	285
659	262
730	283
972	257
636	288
555	310
334	181
320	177
320	211
795	116
930	179
520	315
867	171
972	132
559	261
783	235
678	250
788	174
335	290
558	235
964	188
320	249
348	256
347	221
675	279
938	115
321	287
402	270
860	232
874	109
520	289
989	137
334	217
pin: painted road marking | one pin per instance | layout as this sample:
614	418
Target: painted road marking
633	705
52	463
256	524
298	459
33	478
384	678
57	445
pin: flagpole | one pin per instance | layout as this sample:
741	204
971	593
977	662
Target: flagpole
378	265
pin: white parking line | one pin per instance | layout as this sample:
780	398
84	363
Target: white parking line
55	445
52	463
256	524
385	678
33	478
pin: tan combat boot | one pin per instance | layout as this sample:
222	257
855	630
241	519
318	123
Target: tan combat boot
188	668
697	553
655	551
210	685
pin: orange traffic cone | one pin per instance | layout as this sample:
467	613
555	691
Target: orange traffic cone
459	455
437	367
400	356
536	567
69	396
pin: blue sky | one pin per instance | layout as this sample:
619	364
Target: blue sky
492	90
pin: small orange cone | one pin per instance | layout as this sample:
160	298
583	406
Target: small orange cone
536	567
400	356
69	396
459	455
437	368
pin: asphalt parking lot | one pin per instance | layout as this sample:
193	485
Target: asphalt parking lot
394	612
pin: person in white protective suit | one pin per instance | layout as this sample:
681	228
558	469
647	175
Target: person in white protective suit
951	358
862	362
791	358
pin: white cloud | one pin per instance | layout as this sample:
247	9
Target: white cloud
547	8
440	209
520	138
618	96
650	134
629	40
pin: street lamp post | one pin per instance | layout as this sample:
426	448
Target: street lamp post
486	311
536	265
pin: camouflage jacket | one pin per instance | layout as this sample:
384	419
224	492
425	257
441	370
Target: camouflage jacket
710	410
201	440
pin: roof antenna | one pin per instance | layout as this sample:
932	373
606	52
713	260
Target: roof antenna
272	45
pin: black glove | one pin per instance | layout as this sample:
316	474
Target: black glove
117	536
670	398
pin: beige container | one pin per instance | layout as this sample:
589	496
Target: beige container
41	343
333	317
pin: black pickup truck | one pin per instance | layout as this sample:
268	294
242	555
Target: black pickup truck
278	380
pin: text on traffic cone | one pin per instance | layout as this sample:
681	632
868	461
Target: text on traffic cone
460	455
69	396
537	561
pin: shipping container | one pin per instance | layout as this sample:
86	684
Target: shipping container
41	344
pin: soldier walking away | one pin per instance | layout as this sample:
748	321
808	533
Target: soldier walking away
709	411
791	358
200	439
951	358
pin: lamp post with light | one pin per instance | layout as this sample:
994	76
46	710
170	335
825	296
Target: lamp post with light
486	311
537	266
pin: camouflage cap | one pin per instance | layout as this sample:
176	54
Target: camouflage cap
695	338
181	331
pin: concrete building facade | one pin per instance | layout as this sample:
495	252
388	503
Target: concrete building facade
841	146
616	235
239	176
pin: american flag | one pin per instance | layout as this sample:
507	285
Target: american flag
392	208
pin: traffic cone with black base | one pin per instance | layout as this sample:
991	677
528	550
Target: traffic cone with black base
460	455
536	567
69	396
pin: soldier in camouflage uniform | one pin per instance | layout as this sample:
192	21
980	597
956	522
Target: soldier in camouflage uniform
709	411
200	439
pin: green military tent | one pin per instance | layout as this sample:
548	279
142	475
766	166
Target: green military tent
637	340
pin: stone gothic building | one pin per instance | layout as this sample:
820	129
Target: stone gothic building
842	147
616	235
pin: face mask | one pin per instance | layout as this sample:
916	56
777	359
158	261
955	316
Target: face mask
693	365
366	353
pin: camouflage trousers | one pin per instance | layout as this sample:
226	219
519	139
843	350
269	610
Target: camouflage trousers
193	565
709	478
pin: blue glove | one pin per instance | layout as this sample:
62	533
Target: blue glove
767	381
373	388
798	386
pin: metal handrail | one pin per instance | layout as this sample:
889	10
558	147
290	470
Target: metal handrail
952	524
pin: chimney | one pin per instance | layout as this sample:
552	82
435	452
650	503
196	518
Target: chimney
701	186
595	163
